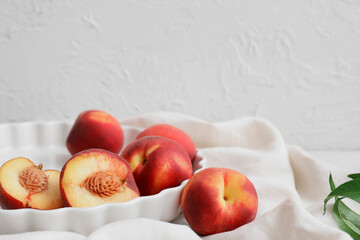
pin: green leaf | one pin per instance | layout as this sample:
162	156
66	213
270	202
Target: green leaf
332	188
354	175
348	214
344	217
332	184
350	189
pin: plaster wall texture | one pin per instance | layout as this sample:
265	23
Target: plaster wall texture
295	63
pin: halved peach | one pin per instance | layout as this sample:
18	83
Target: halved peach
96	176
24	185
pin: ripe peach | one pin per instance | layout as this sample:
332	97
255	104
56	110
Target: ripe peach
24	185
217	200
157	163
96	176
174	133
95	129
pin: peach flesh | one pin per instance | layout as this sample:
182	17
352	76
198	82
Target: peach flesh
96	176
22	184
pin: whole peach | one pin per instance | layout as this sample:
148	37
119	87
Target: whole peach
174	133
157	163
95	129
217	200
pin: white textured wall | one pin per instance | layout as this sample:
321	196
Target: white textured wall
294	62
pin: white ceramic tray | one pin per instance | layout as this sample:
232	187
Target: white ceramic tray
44	142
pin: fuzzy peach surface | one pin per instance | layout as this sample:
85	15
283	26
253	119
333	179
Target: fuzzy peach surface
217	200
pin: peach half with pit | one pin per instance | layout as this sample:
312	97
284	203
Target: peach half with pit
216	200
96	176
95	129
25	185
157	163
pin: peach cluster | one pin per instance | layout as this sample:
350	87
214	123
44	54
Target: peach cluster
102	170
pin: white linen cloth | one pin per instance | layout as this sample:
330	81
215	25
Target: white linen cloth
291	185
